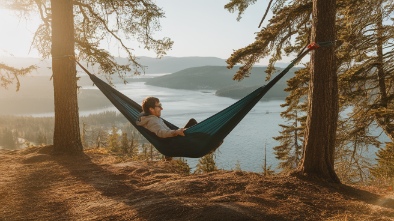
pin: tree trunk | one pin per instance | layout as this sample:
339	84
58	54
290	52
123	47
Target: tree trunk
320	132
66	137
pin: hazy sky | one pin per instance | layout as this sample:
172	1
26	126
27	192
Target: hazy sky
198	28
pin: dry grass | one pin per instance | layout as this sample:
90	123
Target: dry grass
36	185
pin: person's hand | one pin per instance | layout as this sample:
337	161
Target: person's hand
179	132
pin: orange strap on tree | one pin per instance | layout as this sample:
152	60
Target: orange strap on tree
313	46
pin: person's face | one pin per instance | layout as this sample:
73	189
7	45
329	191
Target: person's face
156	110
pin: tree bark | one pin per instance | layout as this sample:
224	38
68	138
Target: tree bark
320	134
67	134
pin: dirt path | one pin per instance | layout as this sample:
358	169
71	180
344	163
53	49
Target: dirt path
36	185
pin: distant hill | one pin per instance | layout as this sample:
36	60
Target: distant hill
153	65
219	78
174	64
165	64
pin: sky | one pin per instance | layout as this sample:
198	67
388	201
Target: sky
198	28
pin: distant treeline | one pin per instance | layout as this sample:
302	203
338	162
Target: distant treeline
21	131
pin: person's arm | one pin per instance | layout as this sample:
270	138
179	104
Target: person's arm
179	132
158	127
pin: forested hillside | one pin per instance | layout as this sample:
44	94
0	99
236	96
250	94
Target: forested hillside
219	78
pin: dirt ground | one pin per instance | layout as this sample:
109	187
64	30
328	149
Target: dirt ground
35	185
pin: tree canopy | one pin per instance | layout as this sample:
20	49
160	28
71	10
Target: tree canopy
120	22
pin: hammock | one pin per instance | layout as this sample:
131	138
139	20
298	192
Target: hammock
202	138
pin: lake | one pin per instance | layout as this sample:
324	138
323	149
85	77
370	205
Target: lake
244	145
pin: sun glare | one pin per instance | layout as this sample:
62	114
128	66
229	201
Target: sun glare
16	34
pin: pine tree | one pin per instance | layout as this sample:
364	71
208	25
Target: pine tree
124	144
366	80
291	139
134	141
353	141
267	171
365	53
1	138
101	138
9	141
84	136
364	69
289	152
41	138
383	172
181	166
290	19
206	164
113	140
237	166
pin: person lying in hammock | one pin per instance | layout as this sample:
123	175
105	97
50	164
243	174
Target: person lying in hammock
151	120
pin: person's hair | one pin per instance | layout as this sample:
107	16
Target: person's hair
149	102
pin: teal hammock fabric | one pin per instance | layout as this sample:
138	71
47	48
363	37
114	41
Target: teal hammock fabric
202	138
